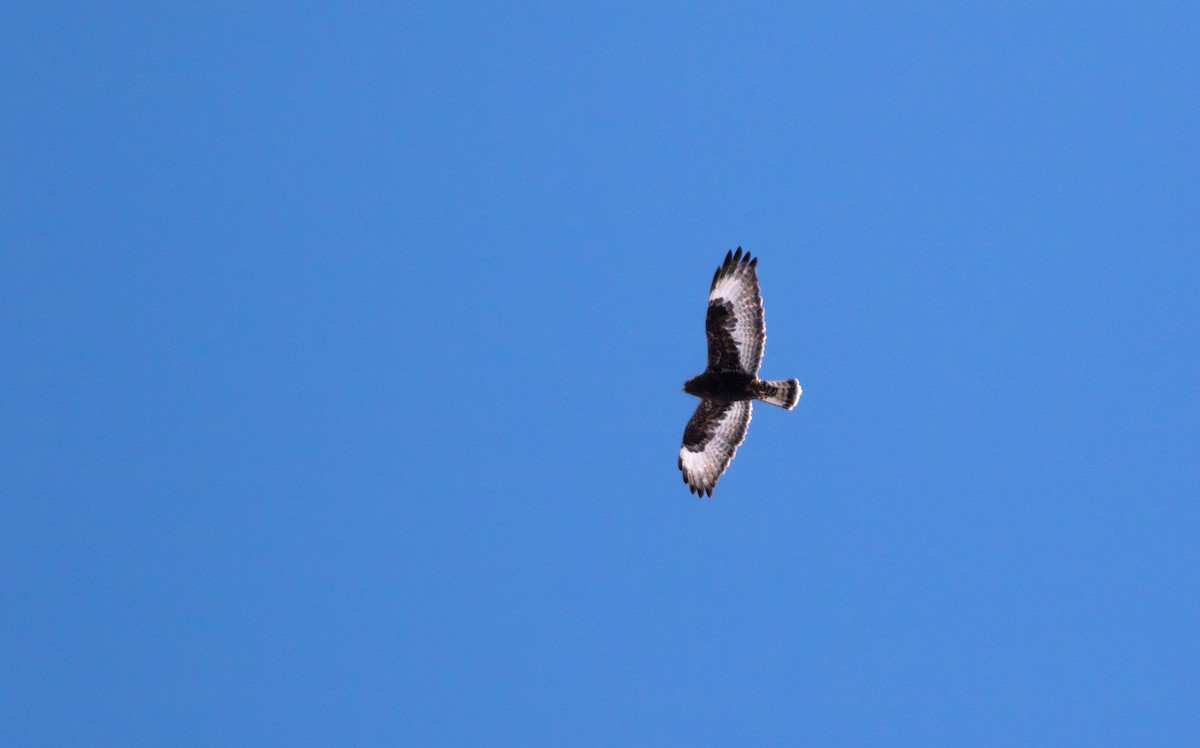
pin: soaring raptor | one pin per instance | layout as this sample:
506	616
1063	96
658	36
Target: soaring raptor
736	334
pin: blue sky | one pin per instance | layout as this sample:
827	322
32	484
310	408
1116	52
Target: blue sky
342	349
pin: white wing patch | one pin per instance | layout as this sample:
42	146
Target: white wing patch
723	432
736	281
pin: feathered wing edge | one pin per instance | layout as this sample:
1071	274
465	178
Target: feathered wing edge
730	265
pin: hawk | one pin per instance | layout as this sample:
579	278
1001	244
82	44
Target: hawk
736	334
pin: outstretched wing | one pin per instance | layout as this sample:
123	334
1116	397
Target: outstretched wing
710	440
736	331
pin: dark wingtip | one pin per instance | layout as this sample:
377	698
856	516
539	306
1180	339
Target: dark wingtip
737	256
710	492
754	262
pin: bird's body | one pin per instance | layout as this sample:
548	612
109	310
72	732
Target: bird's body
736	334
726	386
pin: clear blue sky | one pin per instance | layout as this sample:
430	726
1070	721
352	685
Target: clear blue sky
342	348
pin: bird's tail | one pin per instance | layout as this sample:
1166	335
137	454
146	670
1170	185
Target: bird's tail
782	392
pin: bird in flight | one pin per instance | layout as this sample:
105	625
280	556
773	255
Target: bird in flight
736	334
